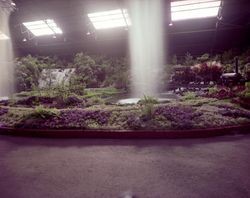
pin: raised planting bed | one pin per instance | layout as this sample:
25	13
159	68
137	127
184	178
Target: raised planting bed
119	134
198	116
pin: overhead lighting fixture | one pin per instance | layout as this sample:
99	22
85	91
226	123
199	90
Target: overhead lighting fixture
110	19
193	9
3	36
43	27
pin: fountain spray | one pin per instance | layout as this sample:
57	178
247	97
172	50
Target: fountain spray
146	37
6	51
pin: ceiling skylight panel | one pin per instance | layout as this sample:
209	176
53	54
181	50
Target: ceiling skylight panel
110	19
195	6
33	23
107	18
57	30
188	2
210	12
191	9
43	27
42	32
105	13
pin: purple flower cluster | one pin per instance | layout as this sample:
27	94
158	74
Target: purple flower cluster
77	119
3	111
233	112
135	123
181	117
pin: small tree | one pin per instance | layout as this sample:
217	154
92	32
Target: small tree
228	57
203	58
188	59
174	60
27	73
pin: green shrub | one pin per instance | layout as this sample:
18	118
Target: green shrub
87	71
62	91
147	107
212	90
247	95
189	96
147	111
91	71
43	113
27	73
227	56
246	71
228	68
247	84
174	60
148	100
246	92
29	68
95	101
203	58
14	116
188	59
101	92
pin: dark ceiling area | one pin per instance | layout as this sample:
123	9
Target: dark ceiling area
195	36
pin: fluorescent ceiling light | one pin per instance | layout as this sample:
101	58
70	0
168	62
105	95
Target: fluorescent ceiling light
191	9
110	19
3	36
43	27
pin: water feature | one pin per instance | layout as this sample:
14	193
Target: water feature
55	77
146	41
162	98
6	52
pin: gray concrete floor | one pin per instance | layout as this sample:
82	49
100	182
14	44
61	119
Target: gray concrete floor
44	168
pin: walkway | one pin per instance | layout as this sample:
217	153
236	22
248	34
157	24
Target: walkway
81	168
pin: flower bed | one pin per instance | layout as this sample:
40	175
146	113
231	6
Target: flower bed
196	113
